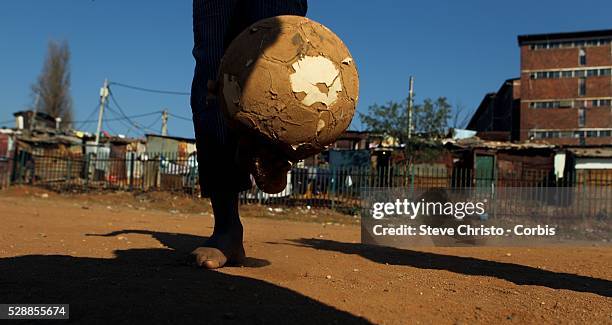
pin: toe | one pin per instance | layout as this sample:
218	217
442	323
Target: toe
211	264
209	257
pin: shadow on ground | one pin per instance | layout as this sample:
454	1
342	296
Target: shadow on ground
156	286
516	273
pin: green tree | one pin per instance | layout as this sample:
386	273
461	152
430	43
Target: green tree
53	84
429	118
389	119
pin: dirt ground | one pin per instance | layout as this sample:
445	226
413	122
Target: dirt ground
119	258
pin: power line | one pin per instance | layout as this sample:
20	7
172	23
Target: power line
150	90
119	118
84	122
180	117
127	118
130	123
127	126
150	126
107	125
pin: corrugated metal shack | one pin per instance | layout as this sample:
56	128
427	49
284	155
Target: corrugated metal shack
503	164
592	165
48	157
7	150
176	164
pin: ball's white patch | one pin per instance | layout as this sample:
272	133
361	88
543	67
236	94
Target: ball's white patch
311	71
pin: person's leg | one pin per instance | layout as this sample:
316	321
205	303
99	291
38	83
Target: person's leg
216	23
220	178
225	244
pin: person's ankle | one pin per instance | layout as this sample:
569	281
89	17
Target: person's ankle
228	230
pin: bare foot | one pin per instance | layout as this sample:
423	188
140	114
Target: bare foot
220	250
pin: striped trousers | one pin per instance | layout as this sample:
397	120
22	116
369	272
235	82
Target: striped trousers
215	24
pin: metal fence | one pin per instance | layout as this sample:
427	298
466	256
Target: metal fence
317	186
5	172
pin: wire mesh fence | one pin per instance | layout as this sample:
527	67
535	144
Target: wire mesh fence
5	172
327	186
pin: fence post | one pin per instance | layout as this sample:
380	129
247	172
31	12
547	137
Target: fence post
411	178
13	177
86	169
68	169
132	161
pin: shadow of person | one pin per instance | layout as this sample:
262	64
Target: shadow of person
516	273
182	244
147	285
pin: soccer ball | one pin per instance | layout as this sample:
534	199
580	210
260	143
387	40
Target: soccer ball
292	81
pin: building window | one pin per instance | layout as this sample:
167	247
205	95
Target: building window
554	104
601	102
570	44
576	134
582	55
571	73
582	87
581	117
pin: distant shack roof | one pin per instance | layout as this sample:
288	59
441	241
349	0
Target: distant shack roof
533	38
51	139
38	114
189	140
476	142
600	152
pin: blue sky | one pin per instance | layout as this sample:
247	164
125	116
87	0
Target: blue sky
457	49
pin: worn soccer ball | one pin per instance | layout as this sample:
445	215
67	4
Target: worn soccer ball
292	81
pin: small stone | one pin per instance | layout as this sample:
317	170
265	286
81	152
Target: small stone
328	277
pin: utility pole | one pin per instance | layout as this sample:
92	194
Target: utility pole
410	106
164	122
103	96
33	120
